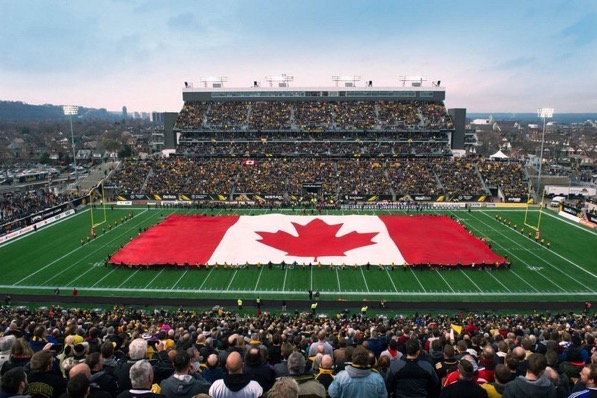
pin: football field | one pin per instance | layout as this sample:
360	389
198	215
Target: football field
54	257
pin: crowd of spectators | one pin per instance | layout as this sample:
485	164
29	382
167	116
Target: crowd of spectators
15	205
125	352
413	178
314	116
329	148
338	178
459	177
509	177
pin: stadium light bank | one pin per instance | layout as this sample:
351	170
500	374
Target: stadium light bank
70	111
544	113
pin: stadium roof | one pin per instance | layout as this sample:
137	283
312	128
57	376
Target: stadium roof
314	93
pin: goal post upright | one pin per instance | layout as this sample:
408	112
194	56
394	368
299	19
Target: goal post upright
103	206
541	205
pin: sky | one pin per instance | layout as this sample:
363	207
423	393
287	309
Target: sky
491	56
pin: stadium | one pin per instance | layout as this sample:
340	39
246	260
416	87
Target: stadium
359	193
275	220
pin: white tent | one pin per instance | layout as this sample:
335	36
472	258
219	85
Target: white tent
499	155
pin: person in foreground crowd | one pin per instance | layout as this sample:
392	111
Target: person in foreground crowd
235	383
588	377
502	376
358	379
464	386
44	379
185	382
284	387
14	383
412	376
534	384
141	377
308	386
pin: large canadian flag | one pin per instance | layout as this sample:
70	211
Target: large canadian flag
329	240
354	239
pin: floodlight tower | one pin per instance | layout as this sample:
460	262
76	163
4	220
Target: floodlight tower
543	113
70	111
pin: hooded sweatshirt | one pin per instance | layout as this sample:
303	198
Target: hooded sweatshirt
184	386
524	388
241	384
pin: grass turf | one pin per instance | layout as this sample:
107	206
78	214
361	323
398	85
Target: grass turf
54	257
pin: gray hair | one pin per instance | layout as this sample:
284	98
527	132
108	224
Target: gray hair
141	374
296	363
138	348
284	387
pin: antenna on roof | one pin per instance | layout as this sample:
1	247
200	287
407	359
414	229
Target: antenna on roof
216	82
349	81
282	80
416	81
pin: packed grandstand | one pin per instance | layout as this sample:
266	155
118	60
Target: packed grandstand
326	147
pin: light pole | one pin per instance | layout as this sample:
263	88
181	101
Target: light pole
70	111
543	113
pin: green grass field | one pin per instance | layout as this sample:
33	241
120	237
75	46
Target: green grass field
54	257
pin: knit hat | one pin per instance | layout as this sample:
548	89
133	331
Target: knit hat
79	351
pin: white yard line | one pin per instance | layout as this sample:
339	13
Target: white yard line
420	284
391	280
259	278
500	282
364	279
444	279
285	275
179	279
127	279
231	279
154	278
472	281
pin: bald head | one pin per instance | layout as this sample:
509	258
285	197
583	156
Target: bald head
519	353
78	369
212	360
327	362
234	363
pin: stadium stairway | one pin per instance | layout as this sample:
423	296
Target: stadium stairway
96	175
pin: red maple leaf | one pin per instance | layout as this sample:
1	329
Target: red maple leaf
316	239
